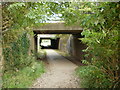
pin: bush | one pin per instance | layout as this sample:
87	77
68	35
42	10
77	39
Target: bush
41	54
20	69
16	55
101	35
24	77
93	77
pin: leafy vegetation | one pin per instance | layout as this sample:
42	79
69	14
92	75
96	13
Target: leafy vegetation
20	66
101	25
24	77
41	54
16	55
93	77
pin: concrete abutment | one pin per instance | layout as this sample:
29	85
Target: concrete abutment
73	46
69	44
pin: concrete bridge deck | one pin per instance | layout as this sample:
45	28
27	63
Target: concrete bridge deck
74	45
57	28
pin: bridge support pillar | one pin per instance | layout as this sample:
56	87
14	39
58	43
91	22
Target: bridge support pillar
75	47
35	43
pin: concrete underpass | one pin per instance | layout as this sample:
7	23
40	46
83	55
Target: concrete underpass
74	46
60	70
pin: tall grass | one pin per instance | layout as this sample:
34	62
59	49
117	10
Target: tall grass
92	77
24	77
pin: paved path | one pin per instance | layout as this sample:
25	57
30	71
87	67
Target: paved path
60	73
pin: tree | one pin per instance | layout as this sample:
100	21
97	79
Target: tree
100	22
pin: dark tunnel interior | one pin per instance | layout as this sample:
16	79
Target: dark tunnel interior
52	43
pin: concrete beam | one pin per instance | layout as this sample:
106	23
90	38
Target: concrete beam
57	31
57	26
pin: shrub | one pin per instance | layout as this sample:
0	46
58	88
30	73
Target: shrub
16	54
24	77
101	24
93	77
41	54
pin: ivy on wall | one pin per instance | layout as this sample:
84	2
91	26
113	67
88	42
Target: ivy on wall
16	55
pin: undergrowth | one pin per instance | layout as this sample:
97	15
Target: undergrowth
24	77
93	77
41	54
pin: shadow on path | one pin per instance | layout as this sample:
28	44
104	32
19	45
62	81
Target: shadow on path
60	73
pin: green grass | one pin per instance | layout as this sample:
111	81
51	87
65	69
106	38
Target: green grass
92	77
41	54
24	77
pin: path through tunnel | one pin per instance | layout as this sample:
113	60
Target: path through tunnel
70	44
48	42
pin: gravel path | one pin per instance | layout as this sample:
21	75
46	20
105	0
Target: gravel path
60	73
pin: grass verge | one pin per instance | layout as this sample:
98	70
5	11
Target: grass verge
41	55
92	77
24	77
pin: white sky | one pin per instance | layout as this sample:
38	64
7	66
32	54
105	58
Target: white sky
54	18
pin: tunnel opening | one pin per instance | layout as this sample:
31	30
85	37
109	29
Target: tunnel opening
70	44
45	43
49	43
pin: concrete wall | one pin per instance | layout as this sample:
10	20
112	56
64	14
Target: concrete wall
75	47
32	44
72	45
63	43
67	43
